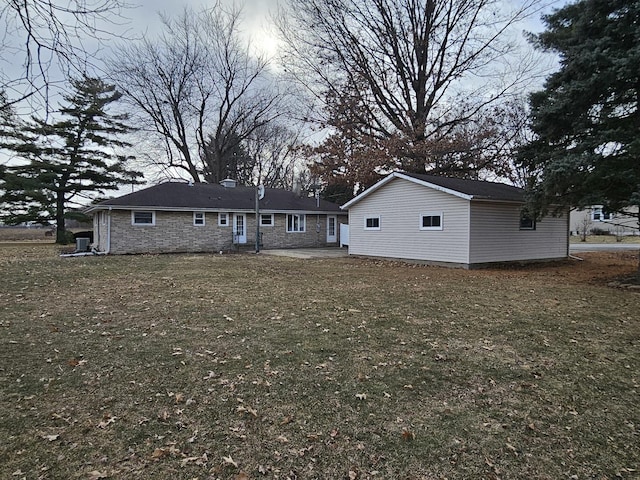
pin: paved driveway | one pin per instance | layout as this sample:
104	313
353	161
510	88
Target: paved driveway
307	252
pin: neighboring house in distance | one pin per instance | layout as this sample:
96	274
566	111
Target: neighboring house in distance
596	219
451	221
200	217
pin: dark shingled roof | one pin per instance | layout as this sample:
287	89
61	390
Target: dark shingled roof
480	190
205	196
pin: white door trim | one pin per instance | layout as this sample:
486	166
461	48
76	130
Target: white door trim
332	228
239	228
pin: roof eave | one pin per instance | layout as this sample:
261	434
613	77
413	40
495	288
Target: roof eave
95	208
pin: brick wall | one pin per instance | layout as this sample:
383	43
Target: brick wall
175	232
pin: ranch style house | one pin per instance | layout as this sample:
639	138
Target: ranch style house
201	217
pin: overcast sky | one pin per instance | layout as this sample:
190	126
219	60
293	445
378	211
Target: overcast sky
256	15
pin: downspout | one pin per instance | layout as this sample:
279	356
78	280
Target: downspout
108	249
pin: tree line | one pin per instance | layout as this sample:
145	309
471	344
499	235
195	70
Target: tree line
361	88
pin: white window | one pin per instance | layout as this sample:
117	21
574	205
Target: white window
198	219
223	219
599	214
372	222
431	221
295	222
266	219
143	218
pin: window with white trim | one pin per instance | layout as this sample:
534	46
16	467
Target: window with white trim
143	218
599	214
223	219
295	223
266	219
431	221
372	222
198	219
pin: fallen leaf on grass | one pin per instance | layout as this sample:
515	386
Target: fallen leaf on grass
243	409
96	474
106	421
229	461
408	435
158	453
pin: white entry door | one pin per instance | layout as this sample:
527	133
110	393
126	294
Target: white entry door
239	228
332	236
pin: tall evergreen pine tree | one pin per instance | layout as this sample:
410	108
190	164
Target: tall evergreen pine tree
587	117
59	164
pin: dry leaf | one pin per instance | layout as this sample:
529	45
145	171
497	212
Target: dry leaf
159	453
106	421
96	474
229	461
408	435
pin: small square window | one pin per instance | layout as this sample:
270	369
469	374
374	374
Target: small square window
431	221
266	220
143	218
198	219
372	223
223	219
527	222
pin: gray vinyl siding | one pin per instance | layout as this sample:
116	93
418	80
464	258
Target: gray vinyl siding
496	235
400	205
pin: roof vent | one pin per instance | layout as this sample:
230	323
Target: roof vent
228	183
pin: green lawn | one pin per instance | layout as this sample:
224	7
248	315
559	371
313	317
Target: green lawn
245	366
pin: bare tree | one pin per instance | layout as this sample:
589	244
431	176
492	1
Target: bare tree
422	70
199	89
277	160
49	36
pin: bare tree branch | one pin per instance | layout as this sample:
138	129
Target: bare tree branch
51	38
418	71
198	89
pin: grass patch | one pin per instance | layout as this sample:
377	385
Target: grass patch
244	366
629	239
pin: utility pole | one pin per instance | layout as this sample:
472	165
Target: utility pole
259	196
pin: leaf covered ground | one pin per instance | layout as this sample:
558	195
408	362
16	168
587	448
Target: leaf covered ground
245	366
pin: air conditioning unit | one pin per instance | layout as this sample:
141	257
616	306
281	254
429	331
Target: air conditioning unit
82	244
